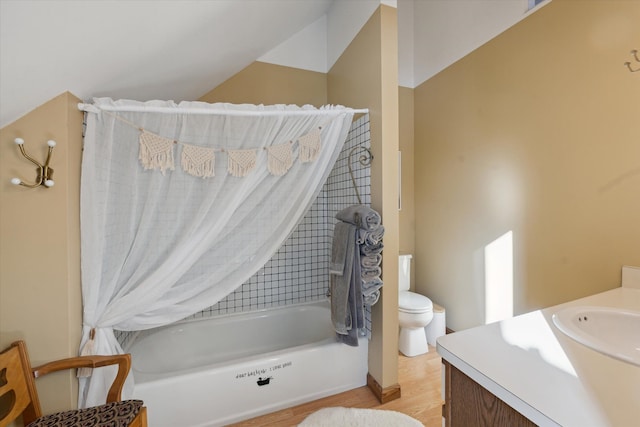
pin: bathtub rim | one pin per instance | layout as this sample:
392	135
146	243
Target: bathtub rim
147	377
324	302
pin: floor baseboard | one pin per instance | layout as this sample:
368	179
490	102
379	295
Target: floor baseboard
383	395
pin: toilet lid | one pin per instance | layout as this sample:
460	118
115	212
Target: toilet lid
411	302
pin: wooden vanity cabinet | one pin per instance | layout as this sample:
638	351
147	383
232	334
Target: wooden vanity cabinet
467	403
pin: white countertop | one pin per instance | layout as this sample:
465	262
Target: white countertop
545	375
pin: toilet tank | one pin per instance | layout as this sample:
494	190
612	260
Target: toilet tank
404	272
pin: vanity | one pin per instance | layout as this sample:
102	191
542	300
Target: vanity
525	371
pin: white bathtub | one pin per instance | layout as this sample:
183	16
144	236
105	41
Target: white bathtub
216	371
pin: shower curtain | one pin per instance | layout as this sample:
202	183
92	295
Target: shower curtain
182	203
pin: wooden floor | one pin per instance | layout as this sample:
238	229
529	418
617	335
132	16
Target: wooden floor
419	379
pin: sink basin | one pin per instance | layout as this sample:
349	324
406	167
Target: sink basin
611	331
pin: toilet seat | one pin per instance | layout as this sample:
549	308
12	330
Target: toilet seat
410	302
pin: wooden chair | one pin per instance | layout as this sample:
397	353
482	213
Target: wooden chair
18	394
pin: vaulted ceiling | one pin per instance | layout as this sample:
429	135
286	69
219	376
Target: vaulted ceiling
181	49
138	49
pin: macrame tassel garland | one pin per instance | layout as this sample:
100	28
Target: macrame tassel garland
309	146
240	162
280	159
198	161
156	152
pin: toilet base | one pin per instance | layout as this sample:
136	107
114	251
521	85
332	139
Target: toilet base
413	342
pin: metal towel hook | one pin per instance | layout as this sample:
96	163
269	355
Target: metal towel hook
365	159
44	172
634	52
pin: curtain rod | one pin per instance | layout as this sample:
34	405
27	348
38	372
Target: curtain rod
132	108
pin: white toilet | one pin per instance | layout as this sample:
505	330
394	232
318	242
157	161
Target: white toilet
415	312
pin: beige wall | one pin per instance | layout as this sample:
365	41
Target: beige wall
262	83
535	132
366	76
40	299
407	217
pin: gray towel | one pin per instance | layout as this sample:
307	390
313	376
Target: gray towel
358	308
369	261
371	273
355	304
371	249
341	283
371	291
370	237
372	298
355	282
360	216
371	286
339	247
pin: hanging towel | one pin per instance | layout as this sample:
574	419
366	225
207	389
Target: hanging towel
355	270
362	216
355	304
340	247
358	307
341	283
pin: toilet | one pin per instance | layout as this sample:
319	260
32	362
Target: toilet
415	311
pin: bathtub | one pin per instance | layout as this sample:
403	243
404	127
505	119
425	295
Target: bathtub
220	370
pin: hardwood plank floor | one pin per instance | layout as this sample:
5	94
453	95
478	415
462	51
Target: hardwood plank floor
419	379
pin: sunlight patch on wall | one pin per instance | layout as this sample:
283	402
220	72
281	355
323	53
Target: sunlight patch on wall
498	267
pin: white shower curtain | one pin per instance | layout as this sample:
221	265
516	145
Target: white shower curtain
158	243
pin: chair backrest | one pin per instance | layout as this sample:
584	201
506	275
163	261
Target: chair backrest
18	393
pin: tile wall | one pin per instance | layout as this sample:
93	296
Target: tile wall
299	271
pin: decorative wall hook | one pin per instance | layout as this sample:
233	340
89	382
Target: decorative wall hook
365	159
44	172
634	52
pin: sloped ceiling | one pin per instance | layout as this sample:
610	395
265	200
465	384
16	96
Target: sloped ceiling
181	49
137	49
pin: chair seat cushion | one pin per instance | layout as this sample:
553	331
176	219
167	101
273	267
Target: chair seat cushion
114	414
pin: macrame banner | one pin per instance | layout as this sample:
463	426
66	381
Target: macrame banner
198	161
156	152
280	159
240	162
309	146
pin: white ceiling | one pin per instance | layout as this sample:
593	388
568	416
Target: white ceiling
180	49
137	49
